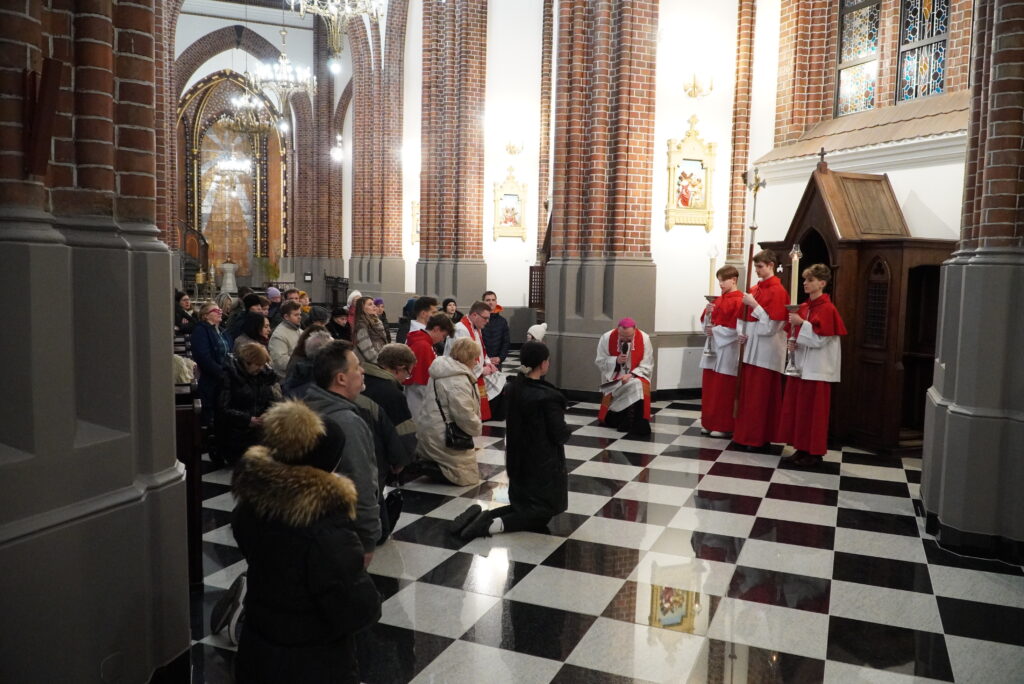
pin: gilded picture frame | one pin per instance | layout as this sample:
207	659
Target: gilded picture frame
691	166
510	208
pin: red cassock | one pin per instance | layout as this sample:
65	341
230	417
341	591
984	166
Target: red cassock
718	390
761	391
803	422
423	348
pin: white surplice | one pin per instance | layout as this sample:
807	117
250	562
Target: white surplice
766	341
818	357
626	394
494	382
726	346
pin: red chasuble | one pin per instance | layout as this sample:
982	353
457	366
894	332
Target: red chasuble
635	359
423	348
481	388
718	390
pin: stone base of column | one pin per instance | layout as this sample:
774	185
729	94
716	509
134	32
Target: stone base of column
93	413
463	279
317	266
974	416
382	277
583	299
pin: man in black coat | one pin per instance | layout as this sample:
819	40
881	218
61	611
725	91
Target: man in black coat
497	339
535	438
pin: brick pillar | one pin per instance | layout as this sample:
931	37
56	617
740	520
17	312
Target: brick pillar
807	63
544	174
601	268
376	265
452	191
747	15
972	473
87	402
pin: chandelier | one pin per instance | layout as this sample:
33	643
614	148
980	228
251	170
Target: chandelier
249	116
337	14
283	79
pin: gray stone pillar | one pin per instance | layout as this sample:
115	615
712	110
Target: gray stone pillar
973	470
463	279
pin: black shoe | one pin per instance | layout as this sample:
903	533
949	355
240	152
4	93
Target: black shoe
464	518
227	611
479	527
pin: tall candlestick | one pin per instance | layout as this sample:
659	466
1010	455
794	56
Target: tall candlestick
794	275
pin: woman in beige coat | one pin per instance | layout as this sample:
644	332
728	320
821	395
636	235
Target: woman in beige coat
453	384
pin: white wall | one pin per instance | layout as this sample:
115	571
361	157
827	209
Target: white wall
693	38
514	47
412	135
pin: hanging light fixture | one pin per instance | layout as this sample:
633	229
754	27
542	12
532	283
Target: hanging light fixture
338	151
337	14
283	79
249	116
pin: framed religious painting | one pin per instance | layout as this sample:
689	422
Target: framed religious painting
691	165
510	208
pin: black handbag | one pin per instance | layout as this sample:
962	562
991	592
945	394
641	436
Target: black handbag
454	436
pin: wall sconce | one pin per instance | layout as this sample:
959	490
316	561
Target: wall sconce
338	151
694	89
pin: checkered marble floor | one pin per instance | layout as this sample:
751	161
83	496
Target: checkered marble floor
679	560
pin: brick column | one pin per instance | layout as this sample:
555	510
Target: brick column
807	65
600	267
452	191
973	474
747	15
87	402
544	173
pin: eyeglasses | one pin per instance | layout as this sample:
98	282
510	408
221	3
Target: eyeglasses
215	311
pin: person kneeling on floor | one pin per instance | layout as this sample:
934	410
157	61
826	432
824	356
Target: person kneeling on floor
307	591
535	438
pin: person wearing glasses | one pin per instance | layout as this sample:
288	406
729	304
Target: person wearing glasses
490	381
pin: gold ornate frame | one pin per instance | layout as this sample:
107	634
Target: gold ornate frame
691	167
414	234
510	196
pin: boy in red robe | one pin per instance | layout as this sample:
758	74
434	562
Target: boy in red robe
423	335
718	385
816	350
764	358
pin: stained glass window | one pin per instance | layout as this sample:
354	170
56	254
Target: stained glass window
922	65
858	56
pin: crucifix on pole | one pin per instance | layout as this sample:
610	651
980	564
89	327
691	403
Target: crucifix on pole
754	183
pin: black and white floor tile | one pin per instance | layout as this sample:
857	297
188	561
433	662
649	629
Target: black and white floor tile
679	560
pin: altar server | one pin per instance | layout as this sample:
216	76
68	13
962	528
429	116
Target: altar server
816	353
718	384
625	357
764	357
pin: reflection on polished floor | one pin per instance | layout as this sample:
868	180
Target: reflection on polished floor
679	560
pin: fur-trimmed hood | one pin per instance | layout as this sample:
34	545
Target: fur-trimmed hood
291	430
296	495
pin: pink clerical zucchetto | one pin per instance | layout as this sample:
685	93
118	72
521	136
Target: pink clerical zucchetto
627	323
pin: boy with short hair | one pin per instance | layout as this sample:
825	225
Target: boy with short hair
816	352
718	385
764	358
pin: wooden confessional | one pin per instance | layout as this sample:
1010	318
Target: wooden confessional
886	287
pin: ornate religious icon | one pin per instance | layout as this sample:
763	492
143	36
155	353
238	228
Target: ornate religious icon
691	163
509	204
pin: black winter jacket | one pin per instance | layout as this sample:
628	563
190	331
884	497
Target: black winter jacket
535	436
242	396
308	593
497	339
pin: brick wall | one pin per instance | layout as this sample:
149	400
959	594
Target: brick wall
454	82
102	153
808	53
604	128
544	172
994	180
741	102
